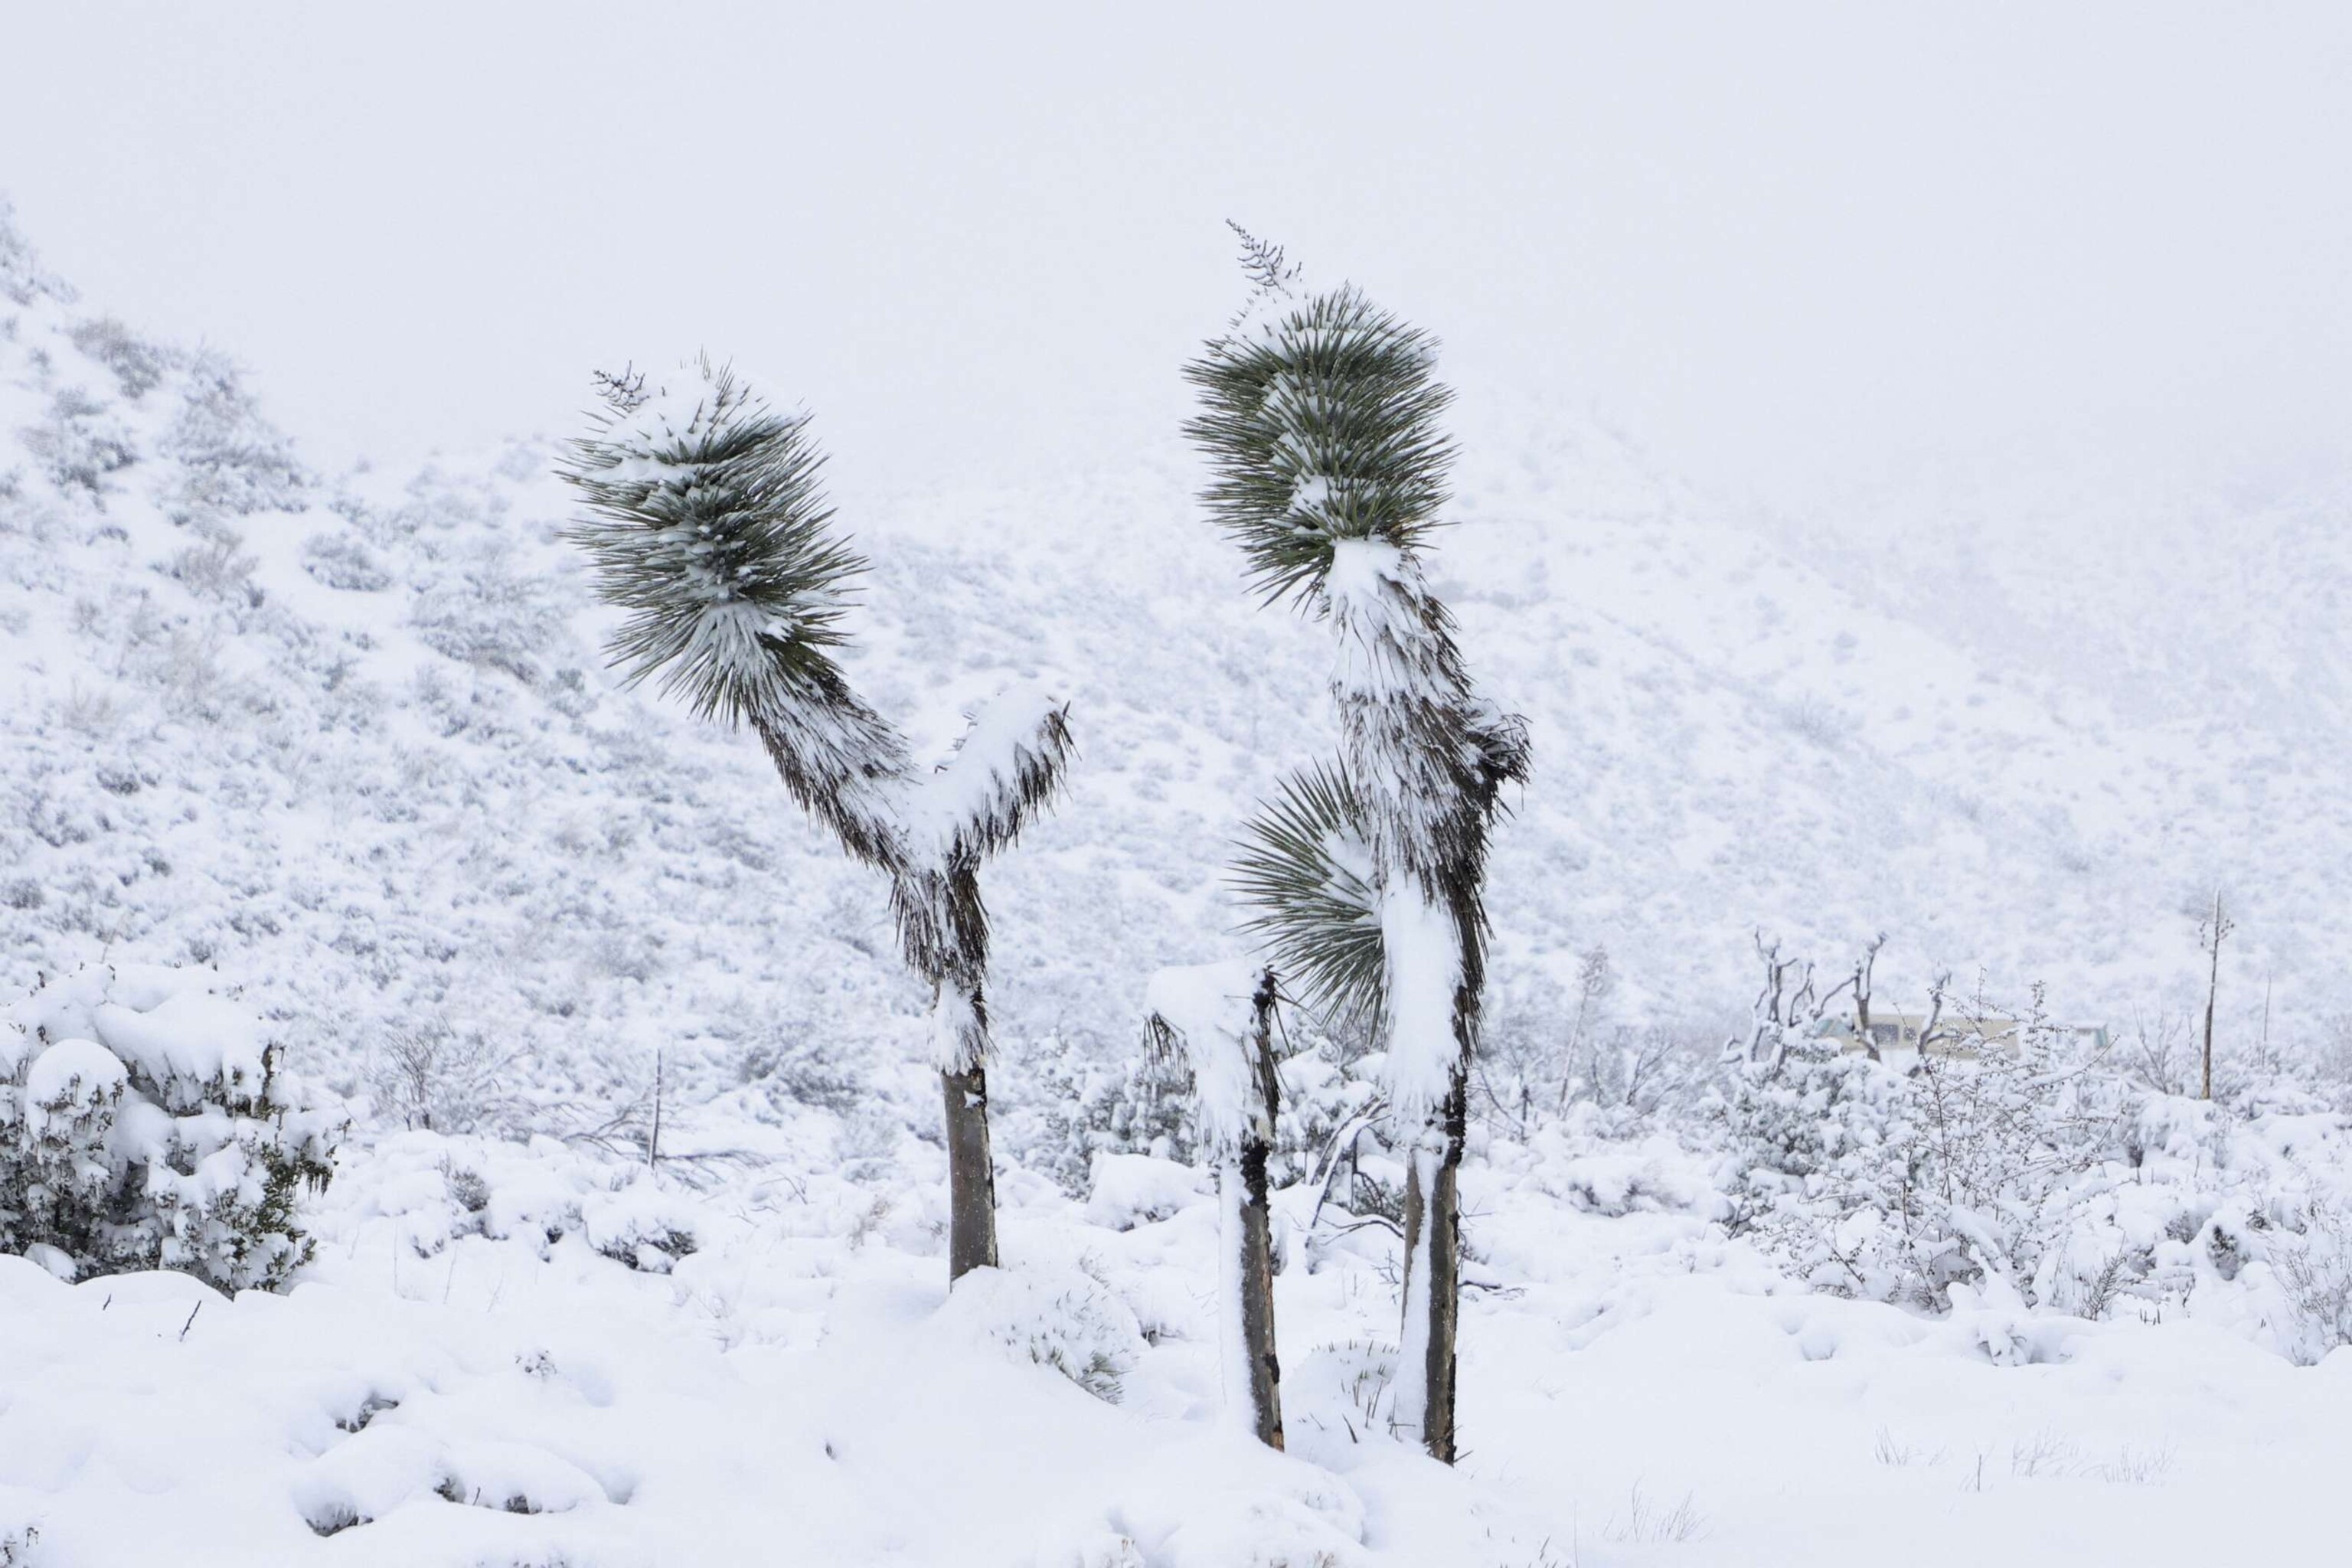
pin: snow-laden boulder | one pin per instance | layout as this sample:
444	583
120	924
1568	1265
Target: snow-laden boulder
144	1124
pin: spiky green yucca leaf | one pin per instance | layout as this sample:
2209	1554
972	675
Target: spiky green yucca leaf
1319	422
1305	871
706	522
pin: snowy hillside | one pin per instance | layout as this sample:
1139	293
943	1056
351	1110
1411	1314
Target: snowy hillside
350	736
350	740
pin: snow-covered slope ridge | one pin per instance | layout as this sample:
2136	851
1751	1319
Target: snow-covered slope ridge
350	737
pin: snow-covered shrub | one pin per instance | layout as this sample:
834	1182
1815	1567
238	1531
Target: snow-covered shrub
468	1189
80	444
641	1225
1086	1109
23	278
429	1075
1064	1320
793	1053
1824	1125
340	560
218	570
234	461
138	365
1129	1190
1584	1161
1896	1184
1075	1107
2316	1271
488	614
1324	1100
144	1124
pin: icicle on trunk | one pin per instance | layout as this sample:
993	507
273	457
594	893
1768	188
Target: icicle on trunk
1423	1403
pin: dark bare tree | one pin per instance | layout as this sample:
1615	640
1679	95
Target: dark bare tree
1863	968
2212	932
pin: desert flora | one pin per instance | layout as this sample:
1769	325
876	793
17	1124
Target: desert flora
706	522
1319	418
146	1123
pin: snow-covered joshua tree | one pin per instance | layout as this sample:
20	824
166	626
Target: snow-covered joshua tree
705	520
1217	1020
1320	421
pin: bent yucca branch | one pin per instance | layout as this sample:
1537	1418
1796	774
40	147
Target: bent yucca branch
1319	420
705	520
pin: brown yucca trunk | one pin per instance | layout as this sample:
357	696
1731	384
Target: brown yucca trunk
1256	1247
971	1177
1438	1213
1256	1241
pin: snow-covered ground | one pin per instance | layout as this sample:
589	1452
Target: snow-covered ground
798	1389
348	739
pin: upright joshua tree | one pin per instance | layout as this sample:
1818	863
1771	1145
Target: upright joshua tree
1319	419
705	520
1217	1019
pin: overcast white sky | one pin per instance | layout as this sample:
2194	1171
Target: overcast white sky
1778	243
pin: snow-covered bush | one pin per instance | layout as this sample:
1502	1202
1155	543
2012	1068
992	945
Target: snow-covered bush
1064	1320
340	560
233	461
144	1124
1978	1158
1325	1099
1129	1190
791	1053
1075	1108
641	1225
138	365
1585	1161
486	613
1825	1129
23	278
2316	1271
81	445
429	1075
218	570
1080	1109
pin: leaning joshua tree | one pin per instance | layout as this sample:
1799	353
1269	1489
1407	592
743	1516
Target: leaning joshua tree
704	519
1319	420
